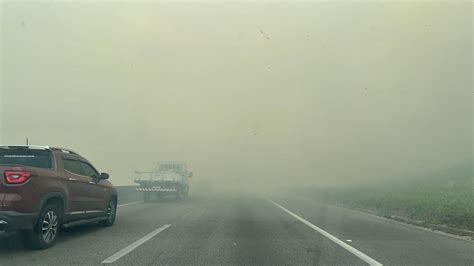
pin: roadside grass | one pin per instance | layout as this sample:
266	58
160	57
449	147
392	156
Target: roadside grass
440	201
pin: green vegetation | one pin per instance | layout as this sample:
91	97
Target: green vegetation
435	201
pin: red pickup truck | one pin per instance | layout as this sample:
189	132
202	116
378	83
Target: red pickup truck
43	188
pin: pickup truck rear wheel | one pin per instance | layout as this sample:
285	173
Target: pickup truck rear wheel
159	196
178	195
146	196
46	230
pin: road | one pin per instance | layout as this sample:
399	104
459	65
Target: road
244	230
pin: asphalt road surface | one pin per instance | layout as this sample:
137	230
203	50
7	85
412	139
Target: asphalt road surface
243	230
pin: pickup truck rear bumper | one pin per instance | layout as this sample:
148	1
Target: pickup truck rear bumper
13	221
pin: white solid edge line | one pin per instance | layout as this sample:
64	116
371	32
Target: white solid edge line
130	203
134	245
341	243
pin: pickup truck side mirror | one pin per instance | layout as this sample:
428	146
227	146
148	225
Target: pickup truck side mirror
104	176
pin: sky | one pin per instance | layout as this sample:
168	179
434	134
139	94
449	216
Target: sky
250	95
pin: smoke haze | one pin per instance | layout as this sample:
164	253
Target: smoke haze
249	94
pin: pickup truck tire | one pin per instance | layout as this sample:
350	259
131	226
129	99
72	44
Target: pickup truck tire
159	196
46	230
146	196
178	195
111	214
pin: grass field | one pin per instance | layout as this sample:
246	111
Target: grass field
439	201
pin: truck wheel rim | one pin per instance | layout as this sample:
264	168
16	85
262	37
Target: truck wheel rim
49	227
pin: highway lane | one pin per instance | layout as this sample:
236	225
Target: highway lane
389	241
243	230
239	231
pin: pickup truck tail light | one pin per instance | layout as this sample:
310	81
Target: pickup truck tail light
17	177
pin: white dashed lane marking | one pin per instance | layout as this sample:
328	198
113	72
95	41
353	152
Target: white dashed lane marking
135	245
336	240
